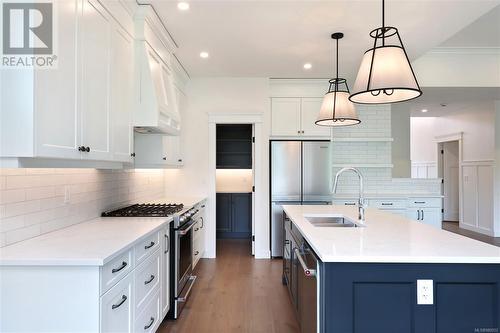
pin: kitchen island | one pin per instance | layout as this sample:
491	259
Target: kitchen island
365	275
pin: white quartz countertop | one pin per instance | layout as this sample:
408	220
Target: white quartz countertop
387	238
341	196
91	243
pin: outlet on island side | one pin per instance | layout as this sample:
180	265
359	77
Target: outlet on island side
425	292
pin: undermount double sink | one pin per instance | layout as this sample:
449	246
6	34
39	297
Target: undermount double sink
332	221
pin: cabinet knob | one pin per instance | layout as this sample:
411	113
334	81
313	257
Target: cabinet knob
81	148
164	158
179	160
298	132
87	149
133	154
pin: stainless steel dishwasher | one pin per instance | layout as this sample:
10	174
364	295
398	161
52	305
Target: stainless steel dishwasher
301	275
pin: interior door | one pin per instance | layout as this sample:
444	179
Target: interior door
253	190
451	180
95	80
316	171
286	170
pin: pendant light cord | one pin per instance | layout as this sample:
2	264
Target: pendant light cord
383	22
337	59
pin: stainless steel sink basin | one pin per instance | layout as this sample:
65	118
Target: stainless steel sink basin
331	222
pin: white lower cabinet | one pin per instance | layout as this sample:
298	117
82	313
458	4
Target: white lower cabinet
427	215
117	307
147	280
165	272
149	319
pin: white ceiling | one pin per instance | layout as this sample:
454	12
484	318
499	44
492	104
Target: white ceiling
450	100
275	38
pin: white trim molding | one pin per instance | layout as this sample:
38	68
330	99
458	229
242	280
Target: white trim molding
260	215
449	137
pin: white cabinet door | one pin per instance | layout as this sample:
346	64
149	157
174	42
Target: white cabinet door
122	90
431	216
94	80
309	112
173	150
165	272
116	307
56	110
285	116
150	150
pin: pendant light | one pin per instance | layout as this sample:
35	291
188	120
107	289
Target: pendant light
385	74
337	109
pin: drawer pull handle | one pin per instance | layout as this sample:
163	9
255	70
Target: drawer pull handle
117	305
151	321
420	202
202	223
196	253
196	229
150	279
116	270
386	203
149	246
350	204
167	243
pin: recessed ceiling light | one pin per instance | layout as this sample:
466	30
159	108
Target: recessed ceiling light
307	66
204	55
424	110
183	5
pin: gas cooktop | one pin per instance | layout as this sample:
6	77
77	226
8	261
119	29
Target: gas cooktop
145	210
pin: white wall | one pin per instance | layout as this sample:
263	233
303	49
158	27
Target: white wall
477	123
32	200
234	180
219	96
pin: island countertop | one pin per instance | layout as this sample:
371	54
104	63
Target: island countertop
386	238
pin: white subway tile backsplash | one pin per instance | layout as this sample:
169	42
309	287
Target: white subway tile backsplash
32	200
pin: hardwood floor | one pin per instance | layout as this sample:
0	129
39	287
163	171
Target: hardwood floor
453	227
236	293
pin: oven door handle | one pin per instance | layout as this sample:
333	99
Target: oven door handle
184	231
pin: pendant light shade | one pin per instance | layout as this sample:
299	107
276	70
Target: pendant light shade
337	109
385	74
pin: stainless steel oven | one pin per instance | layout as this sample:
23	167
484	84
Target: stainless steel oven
182	260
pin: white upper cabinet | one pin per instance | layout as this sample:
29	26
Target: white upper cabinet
156	109
296	117
122	99
285	116
79	113
309	112
95	94
56	111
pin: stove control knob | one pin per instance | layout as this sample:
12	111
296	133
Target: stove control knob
182	219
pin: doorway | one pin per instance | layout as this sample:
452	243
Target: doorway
234	182
449	171
259	231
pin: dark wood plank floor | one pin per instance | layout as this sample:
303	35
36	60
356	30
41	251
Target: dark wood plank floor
236	293
453	227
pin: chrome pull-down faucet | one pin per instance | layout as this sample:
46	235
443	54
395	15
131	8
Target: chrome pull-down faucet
361	200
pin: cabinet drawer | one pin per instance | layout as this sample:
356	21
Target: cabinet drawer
387	204
345	202
146	279
149	319
116	307
116	269
424	202
147	246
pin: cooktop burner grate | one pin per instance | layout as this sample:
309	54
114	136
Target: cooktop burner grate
145	210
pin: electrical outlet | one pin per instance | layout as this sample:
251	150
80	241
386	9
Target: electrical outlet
67	195
425	292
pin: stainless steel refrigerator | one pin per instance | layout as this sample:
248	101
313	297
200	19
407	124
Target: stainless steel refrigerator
300	175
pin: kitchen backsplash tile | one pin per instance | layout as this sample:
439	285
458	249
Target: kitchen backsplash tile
32	201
